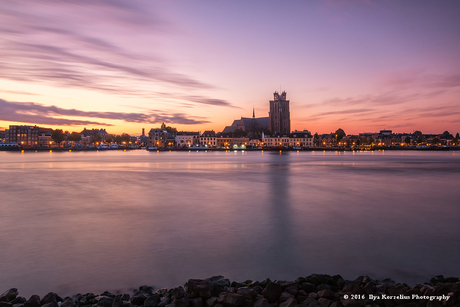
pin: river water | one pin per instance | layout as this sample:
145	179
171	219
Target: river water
92	221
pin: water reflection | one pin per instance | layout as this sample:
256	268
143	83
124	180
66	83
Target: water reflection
80	222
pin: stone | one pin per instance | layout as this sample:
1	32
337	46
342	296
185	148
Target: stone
148	290
319	279
352	303
177	293
211	302
33	301
255	284
104	301
309	302
290	302
152	300
231	299
52	304
247	292
325	302
165	300
261	302
285	296
308	287
199	288
108	294
326	293
353	287
5	304
68	303
117	301
9	295
179	303
138	298
219	281
196	302
87	299
336	304
19	300
272	292
50	297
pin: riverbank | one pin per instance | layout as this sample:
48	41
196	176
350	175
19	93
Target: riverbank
317	290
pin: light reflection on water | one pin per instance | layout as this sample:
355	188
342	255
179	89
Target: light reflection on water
95	221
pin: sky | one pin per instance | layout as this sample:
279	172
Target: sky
359	65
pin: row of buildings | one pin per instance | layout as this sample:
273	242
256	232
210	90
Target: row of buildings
271	131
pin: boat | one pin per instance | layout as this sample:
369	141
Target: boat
9	146
152	148
198	147
103	146
113	146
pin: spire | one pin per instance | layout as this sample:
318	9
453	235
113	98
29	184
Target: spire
253	113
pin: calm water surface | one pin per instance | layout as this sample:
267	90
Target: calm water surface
93	221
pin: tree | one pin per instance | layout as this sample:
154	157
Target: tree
110	138
96	138
420	139
435	141
58	136
455	141
339	134
407	140
74	137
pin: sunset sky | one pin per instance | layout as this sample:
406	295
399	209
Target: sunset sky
198	65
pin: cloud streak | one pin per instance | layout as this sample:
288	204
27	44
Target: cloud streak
61	51
29	112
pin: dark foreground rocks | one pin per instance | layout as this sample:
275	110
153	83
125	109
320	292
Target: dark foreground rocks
317	290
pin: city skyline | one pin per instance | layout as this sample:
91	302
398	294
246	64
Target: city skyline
361	66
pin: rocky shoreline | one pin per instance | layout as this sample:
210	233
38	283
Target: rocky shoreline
317	290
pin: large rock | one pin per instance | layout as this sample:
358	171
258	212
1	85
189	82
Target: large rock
199	288
147	290
261	302
247	292
179	303
68	303
309	302
104	301
33	301
138	298
152	300
50	297
327	293
290	302
9	295
196	302
231	299
272	292
177	293
19	300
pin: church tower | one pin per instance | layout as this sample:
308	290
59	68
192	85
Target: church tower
279	116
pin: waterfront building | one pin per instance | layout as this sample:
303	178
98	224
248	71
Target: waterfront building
143	139
277	141
208	138
27	136
187	138
279	115
224	142
157	137
254	127
2	136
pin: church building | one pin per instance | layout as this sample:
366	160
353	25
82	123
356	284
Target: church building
279	115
